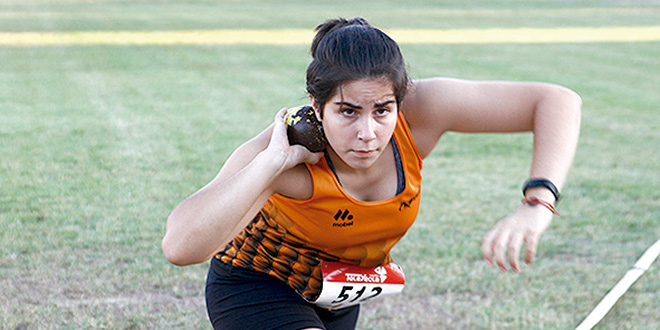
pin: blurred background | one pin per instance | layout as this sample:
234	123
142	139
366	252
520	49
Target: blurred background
100	138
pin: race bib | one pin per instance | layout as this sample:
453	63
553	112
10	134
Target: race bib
346	285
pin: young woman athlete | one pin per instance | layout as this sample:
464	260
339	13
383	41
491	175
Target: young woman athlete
277	218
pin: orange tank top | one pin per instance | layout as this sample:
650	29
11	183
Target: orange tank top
289	237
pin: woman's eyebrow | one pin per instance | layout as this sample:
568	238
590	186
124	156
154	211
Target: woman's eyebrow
376	105
348	105
382	104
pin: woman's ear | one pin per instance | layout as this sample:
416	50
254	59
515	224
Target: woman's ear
317	109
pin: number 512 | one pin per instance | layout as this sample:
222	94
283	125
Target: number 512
346	293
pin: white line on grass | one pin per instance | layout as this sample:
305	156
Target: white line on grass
642	265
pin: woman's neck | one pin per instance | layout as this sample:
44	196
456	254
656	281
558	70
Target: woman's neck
377	182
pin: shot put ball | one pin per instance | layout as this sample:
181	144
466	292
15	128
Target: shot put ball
303	128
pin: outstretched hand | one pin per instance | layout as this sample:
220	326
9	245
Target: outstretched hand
523	226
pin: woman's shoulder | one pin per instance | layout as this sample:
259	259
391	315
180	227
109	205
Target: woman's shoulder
431	97
427	112
295	183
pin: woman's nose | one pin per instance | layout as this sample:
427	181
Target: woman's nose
366	131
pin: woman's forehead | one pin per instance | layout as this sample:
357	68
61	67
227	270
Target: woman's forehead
369	90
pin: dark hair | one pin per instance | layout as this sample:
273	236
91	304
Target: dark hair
347	50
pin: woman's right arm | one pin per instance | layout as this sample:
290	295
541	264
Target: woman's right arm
207	220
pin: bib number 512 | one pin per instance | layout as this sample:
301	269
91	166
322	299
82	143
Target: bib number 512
346	285
358	295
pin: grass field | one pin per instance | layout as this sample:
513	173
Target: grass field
98	143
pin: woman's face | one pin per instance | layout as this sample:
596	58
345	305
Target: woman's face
359	121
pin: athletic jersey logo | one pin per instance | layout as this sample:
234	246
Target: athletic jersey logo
408	203
343	218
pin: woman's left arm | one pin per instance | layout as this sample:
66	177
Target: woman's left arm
551	112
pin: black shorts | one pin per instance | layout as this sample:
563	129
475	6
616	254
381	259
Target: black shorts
239	298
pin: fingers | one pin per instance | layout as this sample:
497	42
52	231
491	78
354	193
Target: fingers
499	243
503	243
279	126
487	246
515	242
280	117
530	248
499	249
307	156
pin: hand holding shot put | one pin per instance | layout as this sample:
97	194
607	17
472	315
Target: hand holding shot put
296	151
297	137
300	220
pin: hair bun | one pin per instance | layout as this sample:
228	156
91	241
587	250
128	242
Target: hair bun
331	25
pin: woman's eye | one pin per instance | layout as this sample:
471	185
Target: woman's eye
348	112
382	111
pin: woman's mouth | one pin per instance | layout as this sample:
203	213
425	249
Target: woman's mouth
364	153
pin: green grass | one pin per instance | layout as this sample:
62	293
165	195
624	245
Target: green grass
99	143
